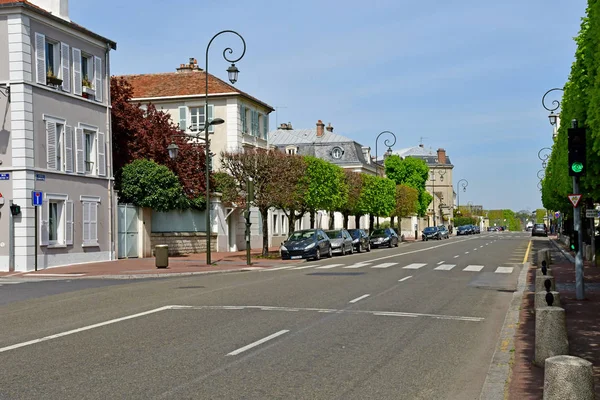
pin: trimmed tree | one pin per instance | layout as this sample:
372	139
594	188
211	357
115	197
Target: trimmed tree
378	197
326	189
354	183
407	203
289	187
412	172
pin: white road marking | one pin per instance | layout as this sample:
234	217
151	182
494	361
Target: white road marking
466	252
276	268
258	342
475	249
384	265
456	256
414	266
364	296
473	268
3	282
445	267
358	265
54	275
504	270
441	262
304	267
85	328
480	246
330	266
335	311
405	278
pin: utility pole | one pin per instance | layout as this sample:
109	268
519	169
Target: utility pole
577	168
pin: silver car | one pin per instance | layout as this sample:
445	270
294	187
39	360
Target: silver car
341	241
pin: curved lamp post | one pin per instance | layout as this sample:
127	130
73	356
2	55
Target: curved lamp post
387	143
544	155
232	73
540	174
555	106
464	185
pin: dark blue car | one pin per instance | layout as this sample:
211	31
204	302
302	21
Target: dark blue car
309	244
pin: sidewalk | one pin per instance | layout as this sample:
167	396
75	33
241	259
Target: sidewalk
583	325
190	264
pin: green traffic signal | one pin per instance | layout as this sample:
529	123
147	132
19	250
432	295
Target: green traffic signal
577	167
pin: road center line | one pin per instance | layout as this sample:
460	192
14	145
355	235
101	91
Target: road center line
456	256
441	262
258	342
466	252
364	296
405	278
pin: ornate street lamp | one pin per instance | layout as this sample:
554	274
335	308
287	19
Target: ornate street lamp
541	174
387	143
544	155
553	118
464	185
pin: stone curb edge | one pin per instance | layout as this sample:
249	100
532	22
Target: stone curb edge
500	366
167	275
564	253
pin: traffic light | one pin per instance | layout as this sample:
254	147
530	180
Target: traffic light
15	209
576	145
575	241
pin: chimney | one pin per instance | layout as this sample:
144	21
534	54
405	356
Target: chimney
367	154
320	127
191	67
285	127
441	155
58	8
329	127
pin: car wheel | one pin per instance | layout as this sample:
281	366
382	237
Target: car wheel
318	254
360	248
343	250
351	249
391	244
369	247
330	253
397	242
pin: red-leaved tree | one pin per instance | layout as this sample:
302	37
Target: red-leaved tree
145	134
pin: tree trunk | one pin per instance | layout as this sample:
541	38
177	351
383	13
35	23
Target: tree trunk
371	222
357	221
331	220
264	213
312	219
291	222
345	215
392	222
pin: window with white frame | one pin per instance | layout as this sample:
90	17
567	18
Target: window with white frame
59	144
52	62
87	70
192	119
90	150
291	150
56	220
90	207
196	119
52	58
283	225
275	231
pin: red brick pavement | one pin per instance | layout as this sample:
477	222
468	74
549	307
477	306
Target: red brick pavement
583	329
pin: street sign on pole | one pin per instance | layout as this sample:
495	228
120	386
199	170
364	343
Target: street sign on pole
36	198
593	213
574	199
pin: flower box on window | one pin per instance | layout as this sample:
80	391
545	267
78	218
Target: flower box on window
53	80
88	91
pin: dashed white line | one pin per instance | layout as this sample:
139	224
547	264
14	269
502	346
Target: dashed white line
358	265
364	296
441	262
414	266
445	267
473	268
275	269
384	265
258	342
330	266
405	278
304	267
466	252
504	270
456	256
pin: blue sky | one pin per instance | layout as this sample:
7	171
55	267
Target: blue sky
467	75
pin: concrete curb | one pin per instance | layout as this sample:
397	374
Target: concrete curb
166	275
497	377
564	253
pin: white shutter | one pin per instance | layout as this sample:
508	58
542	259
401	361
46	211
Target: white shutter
79	151
44	233
100	154
265	126
68	148
69	222
65	65
243	118
210	116
77	78
94	222
98	78
51	144
183	118
86	222
40	58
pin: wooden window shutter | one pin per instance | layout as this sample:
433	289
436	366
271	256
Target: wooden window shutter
94	222
98	78
44	223
77	78
210	115
86	222
51	144
40	58
79	151
69	148
69	222
65	66
100	154
183	118
243	118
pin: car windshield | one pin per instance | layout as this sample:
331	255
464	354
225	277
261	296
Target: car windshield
430	229
334	234
379	232
301	235
441	228
355	233
539	226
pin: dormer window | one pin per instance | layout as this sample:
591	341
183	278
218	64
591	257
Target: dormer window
337	153
291	150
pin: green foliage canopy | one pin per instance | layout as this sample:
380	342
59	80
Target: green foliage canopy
412	172
327	189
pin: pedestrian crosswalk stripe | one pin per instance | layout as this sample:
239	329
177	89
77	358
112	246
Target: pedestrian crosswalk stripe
330	266
504	270
445	267
415	266
384	265
304	267
358	265
473	268
276	268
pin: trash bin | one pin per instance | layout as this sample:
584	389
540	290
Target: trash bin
161	254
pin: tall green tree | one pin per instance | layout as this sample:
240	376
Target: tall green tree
412	172
378	197
354	183
407	202
327	188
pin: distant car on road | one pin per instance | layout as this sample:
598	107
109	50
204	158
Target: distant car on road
384	237
476	229
360	239
444	232
539	230
463	230
431	232
308	243
341	241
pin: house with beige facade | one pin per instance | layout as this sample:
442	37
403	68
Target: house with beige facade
181	94
55	139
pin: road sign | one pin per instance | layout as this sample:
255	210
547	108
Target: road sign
36	198
593	213
574	199
4	177
40	177
557	215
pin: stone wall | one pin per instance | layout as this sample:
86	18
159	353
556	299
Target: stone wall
183	242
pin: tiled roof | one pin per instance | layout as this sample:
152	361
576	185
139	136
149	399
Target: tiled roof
415	151
300	136
28	4
169	84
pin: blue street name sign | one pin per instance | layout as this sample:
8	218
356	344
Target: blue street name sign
4	177
37	198
40	177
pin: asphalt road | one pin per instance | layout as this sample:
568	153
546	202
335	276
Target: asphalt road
334	329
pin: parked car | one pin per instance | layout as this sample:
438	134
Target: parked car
384	237
360	239
476	229
308	243
341	241
431	232
444	232
463	230
539	230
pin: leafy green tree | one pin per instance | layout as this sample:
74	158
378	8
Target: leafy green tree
412	172
378	197
354	183
540	214
145	183
460	221
407	202
289	187
327	188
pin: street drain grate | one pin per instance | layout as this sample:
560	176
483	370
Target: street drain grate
337	273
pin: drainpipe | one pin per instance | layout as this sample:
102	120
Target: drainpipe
109	164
